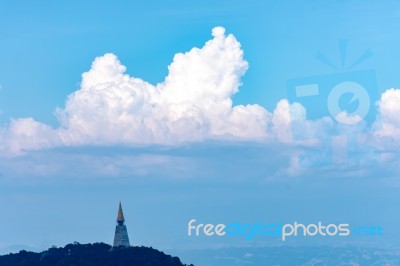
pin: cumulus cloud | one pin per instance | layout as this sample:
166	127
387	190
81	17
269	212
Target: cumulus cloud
26	134
193	103
387	127
344	118
304	129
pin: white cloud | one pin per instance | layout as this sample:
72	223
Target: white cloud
27	134
347	119
387	127
303	129
192	104
281	121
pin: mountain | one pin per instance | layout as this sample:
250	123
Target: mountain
98	254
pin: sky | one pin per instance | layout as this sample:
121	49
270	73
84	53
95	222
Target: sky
187	109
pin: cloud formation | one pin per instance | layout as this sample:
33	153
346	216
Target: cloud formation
387	127
193	103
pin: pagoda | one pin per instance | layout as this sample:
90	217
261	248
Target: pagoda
121	233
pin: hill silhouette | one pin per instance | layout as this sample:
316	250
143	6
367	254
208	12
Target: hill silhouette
98	254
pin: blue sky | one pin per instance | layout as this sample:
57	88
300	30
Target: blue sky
46	47
61	181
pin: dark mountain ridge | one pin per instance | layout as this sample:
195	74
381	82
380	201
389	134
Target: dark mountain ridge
97	254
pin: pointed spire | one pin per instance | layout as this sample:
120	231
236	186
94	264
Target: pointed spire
120	217
121	237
